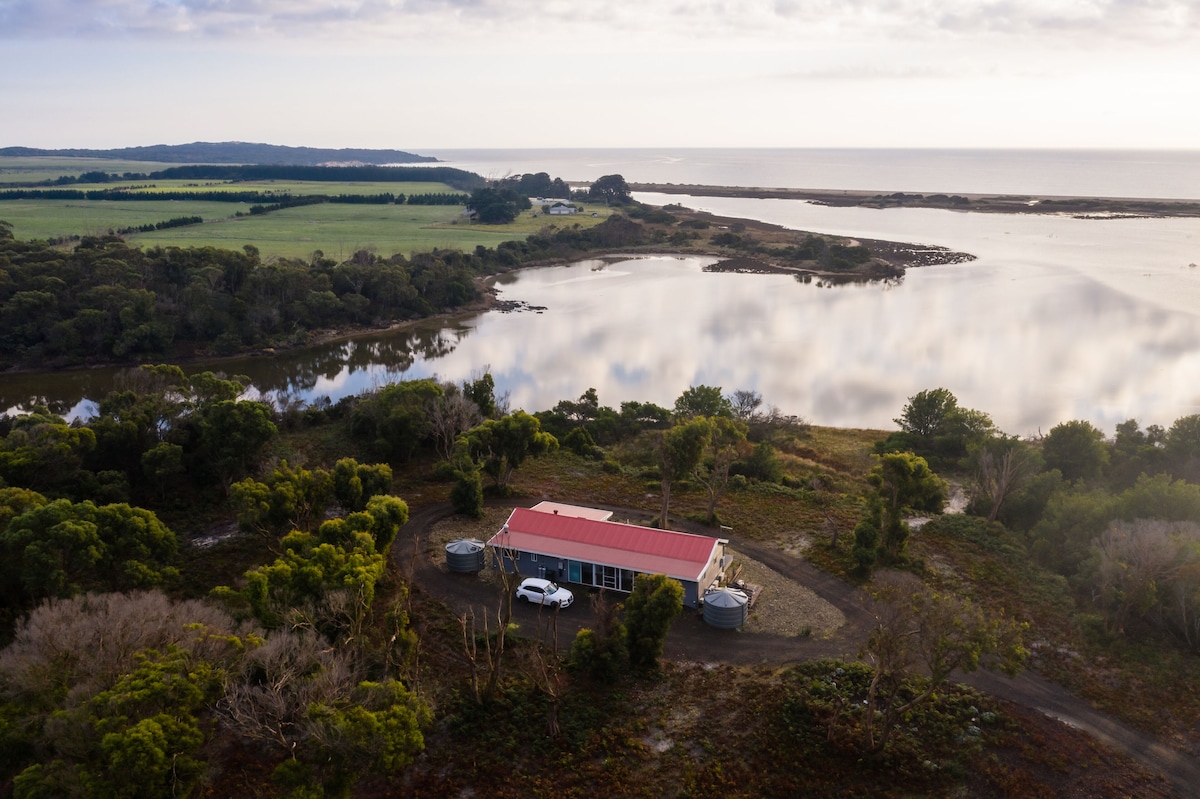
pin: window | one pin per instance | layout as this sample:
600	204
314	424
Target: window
532	557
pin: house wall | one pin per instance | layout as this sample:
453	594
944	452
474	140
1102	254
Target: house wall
576	573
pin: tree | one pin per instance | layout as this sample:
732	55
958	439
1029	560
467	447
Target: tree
355	483
1136	563
141	738
934	426
1135	452
290	499
230	437
1076	449
655	602
920	631
497	206
745	404
482	391
1002	466
601	651
726	443
62	548
702	401
451	415
1183	447
611	188
502	445
903	481
679	451
926	412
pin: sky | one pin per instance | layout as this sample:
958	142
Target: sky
437	74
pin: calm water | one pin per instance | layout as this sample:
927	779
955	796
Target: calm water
1057	319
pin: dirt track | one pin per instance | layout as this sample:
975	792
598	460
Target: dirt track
691	639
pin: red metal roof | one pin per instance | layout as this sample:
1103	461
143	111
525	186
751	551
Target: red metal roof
626	546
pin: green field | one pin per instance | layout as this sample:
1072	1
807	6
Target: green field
336	229
31	170
51	219
340	230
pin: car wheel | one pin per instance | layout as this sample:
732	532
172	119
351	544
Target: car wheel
523	598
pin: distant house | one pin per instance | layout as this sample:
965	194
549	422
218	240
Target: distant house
582	546
559	209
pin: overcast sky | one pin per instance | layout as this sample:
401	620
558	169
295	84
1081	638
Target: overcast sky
415	74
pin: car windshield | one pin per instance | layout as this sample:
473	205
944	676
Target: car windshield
551	588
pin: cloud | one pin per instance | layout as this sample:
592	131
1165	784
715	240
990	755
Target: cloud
780	20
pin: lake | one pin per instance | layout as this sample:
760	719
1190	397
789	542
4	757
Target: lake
1058	318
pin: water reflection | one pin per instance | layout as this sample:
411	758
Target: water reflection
1053	322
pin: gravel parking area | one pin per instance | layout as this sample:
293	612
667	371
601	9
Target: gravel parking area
786	607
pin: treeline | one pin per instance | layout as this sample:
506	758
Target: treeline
179	221
458	178
126	194
290	665
105	301
1116	519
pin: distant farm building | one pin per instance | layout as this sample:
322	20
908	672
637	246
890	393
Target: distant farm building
570	544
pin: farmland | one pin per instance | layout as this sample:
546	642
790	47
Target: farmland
338	229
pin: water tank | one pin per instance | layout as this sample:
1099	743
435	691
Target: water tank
464	555
726	608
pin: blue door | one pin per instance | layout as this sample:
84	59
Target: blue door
573	572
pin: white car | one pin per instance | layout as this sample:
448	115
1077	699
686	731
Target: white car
544	592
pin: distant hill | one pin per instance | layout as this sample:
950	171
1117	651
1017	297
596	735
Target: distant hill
231	152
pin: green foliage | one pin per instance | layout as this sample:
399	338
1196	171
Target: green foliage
655	602
497	206
396	419
1074	518
354	484
107	301
61	548
679	452
612	189
904	482
1076	449
43	453
703	401
866	542
1182	443
502	445
341	562
601	652
934	426
466	497
917	628
290	499
140	738
482	391
230	436
379	725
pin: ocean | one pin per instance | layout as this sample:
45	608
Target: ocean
1163	174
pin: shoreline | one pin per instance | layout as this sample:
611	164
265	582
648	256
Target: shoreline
1075	206
889	261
